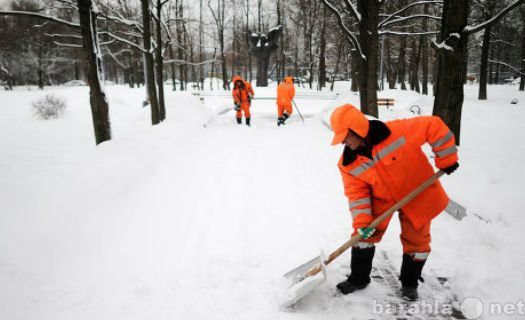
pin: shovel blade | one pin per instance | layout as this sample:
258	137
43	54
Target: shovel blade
456	210
301	284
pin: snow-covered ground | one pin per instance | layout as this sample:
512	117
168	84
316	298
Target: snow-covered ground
178	221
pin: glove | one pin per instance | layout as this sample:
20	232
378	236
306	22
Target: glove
250	99
237	107
366	232
452	168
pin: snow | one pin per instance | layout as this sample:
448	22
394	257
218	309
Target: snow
178	221
442	45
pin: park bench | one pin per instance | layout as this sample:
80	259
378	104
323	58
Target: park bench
388	102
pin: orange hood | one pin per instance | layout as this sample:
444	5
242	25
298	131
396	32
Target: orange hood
347	117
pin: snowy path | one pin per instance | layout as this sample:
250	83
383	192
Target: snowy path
179	221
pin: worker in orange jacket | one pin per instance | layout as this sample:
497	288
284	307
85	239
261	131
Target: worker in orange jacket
242	97
285	95
381	163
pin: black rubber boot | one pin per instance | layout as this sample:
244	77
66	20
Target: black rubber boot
410	275
361	266
239	120
280	121
248	121
285	117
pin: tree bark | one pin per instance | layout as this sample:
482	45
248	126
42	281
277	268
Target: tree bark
452	67
522	81
354	70
322	53
201	55
173	69
339	52
369	40
401	64
41	66
93	63
159	63
424	58
391	74
485	48
150	69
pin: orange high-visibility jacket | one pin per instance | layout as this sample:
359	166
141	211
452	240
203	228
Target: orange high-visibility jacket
285	92
397	167
240	96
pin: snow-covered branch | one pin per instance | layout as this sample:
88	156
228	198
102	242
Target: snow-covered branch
349	33
395	14
38	15
67	45
190	63
508	66
124	21
126	41
399	33
443	45
353	9
402	19
117	61
55	35
496	18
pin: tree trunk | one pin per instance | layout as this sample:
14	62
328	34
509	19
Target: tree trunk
354	70
150	68
369	41
173	69
522	81
339	52
497	66
401	63
41	66
485	48
390	69
424	58
159	63
414	74
452	67
249	63
180	52
234	49
322	57
93	63
201	55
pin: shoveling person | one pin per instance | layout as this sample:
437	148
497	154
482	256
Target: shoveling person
380	164
285	95
242	97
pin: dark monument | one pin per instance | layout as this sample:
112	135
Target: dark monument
262	46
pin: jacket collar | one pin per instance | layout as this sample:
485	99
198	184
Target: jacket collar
377	133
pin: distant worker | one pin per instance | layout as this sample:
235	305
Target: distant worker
285	95
242	97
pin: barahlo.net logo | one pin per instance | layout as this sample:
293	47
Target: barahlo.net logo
470	308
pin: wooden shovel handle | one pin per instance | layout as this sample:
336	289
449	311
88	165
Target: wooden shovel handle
355	239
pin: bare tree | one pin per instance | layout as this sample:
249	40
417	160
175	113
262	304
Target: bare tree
99	106
522	82
220	23
148	53
452	57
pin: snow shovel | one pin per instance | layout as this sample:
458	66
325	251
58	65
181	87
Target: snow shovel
222	110
299	112
305	278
